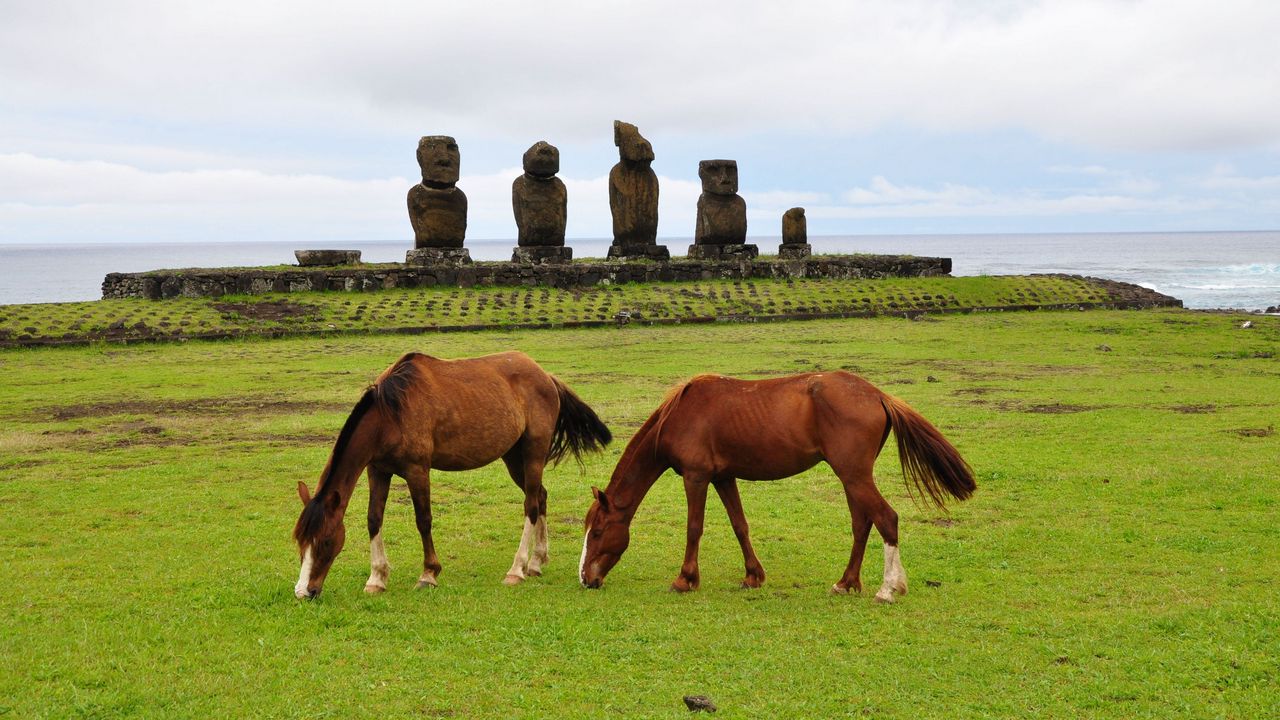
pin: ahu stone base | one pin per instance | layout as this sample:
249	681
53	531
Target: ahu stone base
791	251
536	255
723	252
216	282
639	251
437	256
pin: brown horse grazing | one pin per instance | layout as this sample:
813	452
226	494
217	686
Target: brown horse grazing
424	413
713	430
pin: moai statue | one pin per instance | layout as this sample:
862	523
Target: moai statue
437	208
540	202
633	197
721	231
795	235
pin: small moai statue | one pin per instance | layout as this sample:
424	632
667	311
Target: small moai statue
795	235
437	208
721	230
633	197
541	203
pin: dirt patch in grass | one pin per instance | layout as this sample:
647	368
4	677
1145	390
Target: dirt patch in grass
1267	431
1056	409
1194	409
974	391
203	406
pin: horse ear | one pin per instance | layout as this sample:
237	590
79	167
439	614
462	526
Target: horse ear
303	492
600	497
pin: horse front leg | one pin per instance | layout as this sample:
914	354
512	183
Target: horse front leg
695	492
379	568
419	481
727	489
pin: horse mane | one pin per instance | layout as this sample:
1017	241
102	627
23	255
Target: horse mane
386	395
668	406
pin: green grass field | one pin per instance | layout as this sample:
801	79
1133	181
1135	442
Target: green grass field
1120	558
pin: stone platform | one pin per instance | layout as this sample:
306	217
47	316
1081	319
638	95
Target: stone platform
199	282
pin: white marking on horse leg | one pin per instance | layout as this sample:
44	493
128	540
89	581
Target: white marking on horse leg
521	562
539	556
379	570
582	561
304	576
895	578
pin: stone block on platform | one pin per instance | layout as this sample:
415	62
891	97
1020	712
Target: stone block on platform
723	252
794	251
437	256
311	258
639	251
542	255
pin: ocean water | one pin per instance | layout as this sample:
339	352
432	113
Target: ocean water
1204	270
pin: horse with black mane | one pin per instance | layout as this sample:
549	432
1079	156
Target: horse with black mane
714	430
424	413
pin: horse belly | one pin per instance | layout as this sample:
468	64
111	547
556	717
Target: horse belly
769	458
474	446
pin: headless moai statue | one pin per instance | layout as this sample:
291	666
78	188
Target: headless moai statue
722	214
795	235
540	202
633	196
437	208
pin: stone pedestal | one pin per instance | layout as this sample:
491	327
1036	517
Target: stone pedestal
723	252
639	251
314	258
542	255
794	251
437	256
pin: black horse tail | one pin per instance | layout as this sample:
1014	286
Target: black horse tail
578	428
929	462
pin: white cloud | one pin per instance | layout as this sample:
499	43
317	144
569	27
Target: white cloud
883	198
1170	74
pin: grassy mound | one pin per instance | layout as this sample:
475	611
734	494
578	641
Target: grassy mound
431	309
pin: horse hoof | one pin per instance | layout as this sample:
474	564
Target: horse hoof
375	589
512	580
532	572
683	586
837	590
885	597
426	582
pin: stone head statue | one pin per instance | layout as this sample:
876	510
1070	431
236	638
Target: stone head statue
631	144
542	159
438	157
719	177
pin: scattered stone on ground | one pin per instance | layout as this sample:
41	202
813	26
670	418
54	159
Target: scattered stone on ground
699	703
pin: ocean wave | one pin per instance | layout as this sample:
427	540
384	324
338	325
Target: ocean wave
1251	269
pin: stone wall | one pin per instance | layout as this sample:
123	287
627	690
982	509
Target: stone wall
160	284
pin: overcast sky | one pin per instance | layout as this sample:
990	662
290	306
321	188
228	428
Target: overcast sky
219	121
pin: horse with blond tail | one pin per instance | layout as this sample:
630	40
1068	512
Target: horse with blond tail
424	413
715	430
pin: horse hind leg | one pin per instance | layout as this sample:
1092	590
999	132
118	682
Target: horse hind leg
867	507
895	576
379	568
532	552
541	554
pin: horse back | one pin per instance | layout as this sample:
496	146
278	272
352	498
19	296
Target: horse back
465	413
